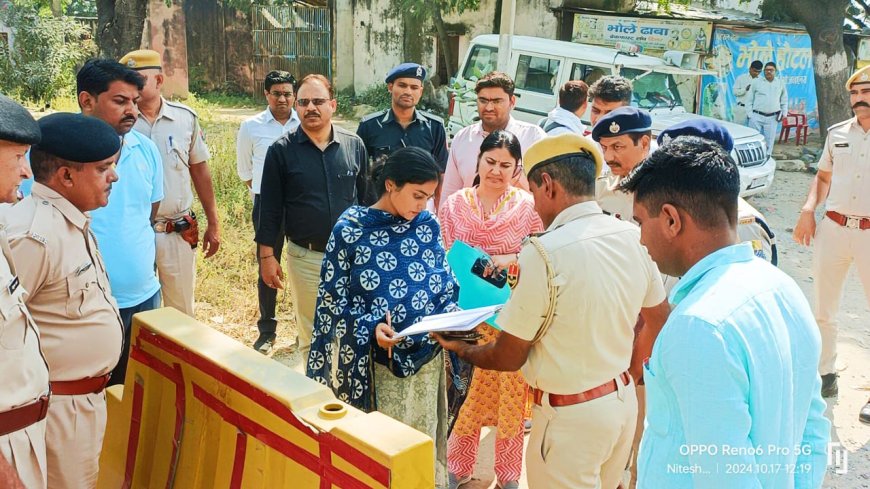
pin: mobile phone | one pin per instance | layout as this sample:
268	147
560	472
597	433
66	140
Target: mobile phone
499	278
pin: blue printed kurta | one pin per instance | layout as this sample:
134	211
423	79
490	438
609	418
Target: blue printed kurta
376	262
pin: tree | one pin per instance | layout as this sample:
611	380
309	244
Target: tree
824	23
423	11
119	26
41	63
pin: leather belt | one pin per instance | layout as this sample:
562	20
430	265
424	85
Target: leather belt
24	416
851	222
561	400
310	245
766	114
175	226
90	385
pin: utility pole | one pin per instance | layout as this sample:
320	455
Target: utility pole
505	40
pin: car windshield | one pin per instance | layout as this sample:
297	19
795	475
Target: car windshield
652	89
481	61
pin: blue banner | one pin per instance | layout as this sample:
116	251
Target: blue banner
733	52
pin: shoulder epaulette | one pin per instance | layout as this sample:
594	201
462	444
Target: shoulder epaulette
40	228
840	124
432	116
373	115
179	105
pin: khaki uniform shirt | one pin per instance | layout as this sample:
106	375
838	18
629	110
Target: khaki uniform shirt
753	229
604	276
751	226
177	134
24	369
613	201
68	290
847	156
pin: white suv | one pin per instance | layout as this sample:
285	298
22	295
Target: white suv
540	66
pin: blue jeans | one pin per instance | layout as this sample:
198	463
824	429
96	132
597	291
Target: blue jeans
120	370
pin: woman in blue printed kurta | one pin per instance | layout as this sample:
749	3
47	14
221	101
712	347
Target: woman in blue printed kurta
387	260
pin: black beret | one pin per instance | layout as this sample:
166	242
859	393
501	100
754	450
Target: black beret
703	128
623	120
16	124
78	138
406	70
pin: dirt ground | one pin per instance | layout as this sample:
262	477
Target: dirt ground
850	460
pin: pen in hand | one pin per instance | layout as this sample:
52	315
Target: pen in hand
389	348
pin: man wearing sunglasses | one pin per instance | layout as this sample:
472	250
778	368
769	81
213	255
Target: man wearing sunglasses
255	136
310	177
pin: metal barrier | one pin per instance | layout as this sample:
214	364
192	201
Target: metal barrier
200	410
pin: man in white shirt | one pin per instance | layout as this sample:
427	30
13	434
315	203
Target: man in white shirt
769	102
495	100
572	105
255	136
741	90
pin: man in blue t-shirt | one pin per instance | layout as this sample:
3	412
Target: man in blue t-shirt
109	91
732	385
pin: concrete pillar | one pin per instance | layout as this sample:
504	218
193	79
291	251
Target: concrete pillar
344	52
165	32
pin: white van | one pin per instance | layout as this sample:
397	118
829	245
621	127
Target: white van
540	66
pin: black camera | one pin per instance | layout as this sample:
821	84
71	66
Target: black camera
497	277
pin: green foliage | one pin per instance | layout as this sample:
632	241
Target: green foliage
74	8
82	8
423	9
345	102
665	5
41	63
227	99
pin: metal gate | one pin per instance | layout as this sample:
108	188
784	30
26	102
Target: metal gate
296	38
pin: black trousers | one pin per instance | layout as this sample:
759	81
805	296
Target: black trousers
266	295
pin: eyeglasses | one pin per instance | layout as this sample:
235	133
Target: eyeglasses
303	102
496	102
281	94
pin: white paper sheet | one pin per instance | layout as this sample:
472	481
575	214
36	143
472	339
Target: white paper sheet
464	320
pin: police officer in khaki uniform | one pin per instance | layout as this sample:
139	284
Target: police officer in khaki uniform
24	389
569	323
751	226
843	237
175	130
68	290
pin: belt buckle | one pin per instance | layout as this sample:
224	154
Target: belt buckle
853	222
160	226
43	408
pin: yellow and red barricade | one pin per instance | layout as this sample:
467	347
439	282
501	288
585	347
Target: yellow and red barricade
200	410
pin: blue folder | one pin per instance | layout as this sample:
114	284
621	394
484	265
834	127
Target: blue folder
473	290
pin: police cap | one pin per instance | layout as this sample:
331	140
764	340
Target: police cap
703	128
623	120
77	138
553	148
142	59
859	77
406	70
16	124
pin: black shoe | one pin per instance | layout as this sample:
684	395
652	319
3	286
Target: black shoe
864	415
829	385
264	342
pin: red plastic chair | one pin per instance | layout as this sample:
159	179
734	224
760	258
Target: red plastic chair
799	123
